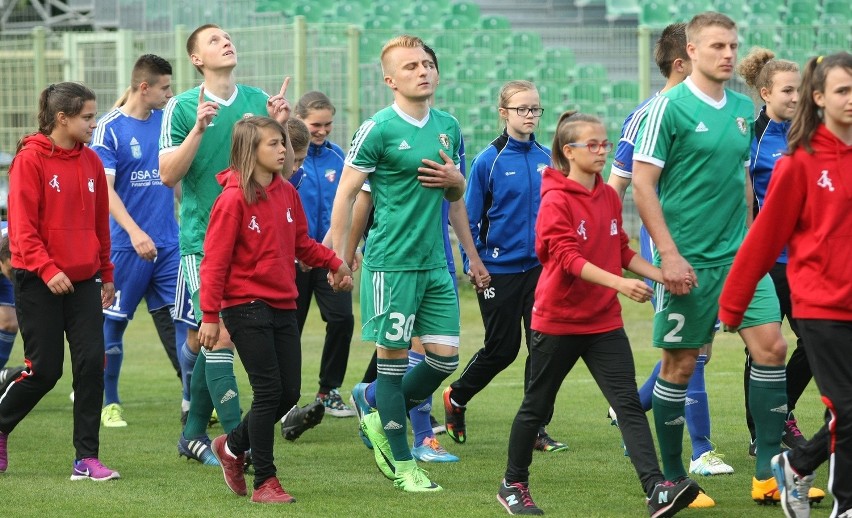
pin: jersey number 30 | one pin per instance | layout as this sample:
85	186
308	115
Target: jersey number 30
402	327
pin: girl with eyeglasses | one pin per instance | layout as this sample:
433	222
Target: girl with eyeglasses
583	249
502	199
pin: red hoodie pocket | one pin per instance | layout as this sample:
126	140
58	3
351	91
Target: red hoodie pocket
75	251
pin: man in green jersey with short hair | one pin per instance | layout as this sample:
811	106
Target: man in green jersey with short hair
410	154
195	144
689	181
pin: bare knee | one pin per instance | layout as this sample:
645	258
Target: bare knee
678	365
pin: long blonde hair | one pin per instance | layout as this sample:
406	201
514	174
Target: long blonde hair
246	138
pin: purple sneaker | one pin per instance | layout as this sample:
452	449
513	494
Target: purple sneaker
4	456
92	469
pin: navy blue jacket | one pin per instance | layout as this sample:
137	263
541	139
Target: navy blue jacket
317	182
502	199
769	144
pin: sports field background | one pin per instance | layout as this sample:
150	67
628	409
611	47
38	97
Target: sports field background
330	472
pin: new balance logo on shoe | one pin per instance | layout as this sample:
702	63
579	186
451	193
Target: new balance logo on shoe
701	128
404	146
229	395
392	425
663	497
680	421
780	409
512	500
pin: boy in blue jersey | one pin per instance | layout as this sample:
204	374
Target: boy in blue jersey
8	318
674	64
143	229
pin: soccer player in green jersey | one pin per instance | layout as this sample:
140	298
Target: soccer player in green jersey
194	146
689	182
408	151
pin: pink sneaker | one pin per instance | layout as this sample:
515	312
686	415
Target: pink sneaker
4	456
232	467
92	469
271	492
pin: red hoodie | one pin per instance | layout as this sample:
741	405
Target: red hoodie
808	205
576	226
59	211
250	251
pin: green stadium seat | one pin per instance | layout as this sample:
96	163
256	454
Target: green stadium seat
735	9
557	56
551	93
833	39
521	59
657	13
378	22
799	39
349	13
616	9
310	11
626	91
556	73
838	11
460	24
801	13
592	73
689	8
416	24
586	94
489	41
459	94
449	40
526	41
495	23
762	36
467	10
764	19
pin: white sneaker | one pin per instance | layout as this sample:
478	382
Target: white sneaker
794	488
710	463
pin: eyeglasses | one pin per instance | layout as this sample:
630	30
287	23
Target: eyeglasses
523	111
594	147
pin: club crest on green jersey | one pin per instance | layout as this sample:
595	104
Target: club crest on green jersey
741	124
445	140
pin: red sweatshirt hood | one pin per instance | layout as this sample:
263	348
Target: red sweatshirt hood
554	179
230	179
827	142
43	145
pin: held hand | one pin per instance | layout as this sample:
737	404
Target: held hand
440	176
356	260
208	334
729	328
205	112
144	245
303	267
60	284
636	289
277	106
479	276
678	275
341	280
107	294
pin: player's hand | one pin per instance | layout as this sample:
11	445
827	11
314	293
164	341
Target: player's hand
144	245
277	106
440	176
107	294
478	276
303	267
208	334
728	328
341	280
60	284
635	289
357	259
206	111
678	275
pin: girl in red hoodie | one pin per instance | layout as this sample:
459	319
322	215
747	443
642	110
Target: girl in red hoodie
257	230
808	207
583	249
59	238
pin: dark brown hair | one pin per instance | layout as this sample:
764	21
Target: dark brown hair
808	115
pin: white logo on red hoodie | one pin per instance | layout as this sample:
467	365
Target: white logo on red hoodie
582	230
253	225
824	181
55	182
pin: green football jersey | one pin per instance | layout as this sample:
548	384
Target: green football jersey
199	186
703	148
407	228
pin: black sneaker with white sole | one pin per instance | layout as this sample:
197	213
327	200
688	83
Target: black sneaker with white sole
668	498
516	499
298	420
